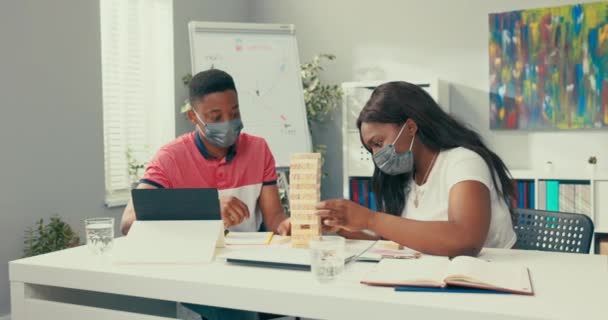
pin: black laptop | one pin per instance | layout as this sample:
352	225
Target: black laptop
176	204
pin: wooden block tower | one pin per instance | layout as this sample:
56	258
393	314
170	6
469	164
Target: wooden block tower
304	194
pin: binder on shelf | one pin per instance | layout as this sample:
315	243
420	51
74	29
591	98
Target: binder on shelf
354	189
552	195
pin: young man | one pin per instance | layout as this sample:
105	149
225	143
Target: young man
218	155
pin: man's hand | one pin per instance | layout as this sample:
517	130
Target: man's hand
234	211
284	227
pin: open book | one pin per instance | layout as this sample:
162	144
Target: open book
461	271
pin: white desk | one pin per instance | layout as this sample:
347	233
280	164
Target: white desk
567	286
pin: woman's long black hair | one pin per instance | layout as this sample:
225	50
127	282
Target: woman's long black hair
395	102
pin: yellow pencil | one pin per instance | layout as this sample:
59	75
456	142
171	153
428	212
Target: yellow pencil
270	237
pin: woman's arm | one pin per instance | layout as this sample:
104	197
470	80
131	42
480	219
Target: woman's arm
469	213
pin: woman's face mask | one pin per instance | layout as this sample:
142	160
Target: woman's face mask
392	163
221	134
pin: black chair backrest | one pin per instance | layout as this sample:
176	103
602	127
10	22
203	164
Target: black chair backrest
553	231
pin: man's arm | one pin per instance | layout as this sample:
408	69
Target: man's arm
272	210
128	216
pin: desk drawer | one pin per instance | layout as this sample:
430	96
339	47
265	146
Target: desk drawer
45	309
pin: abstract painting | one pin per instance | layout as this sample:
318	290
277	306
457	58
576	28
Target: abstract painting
549	68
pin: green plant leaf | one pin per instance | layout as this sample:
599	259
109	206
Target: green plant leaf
56	235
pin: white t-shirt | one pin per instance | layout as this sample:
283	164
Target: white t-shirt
453	166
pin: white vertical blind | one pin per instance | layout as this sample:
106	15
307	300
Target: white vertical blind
137	81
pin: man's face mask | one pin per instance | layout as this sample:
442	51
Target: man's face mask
392	163
221	134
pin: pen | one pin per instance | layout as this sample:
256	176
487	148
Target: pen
270	238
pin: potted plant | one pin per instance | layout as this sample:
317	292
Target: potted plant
321	100
54	236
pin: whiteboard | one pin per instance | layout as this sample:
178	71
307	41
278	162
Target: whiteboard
263	60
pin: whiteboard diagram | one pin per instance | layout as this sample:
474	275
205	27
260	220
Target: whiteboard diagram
266	71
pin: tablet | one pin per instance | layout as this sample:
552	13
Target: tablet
176	204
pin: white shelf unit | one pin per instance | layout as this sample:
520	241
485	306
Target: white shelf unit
356	161
598	181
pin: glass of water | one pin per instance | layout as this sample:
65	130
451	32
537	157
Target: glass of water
100	234
327	258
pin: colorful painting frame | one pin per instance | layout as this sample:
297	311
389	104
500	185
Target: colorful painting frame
549	68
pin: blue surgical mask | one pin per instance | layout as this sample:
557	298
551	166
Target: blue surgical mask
221	134
392	163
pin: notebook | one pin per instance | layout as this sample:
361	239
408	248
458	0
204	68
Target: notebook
255	238
169	243
274	257
441	272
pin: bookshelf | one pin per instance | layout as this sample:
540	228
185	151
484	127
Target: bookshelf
598	185
358	166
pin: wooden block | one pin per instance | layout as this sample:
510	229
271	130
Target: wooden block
604	246
315	155
304	186
302	205
304	166
306	192
314	196
305	228
385	244
304	221
310	178
305	196
302	238
305	236
314	231
304	217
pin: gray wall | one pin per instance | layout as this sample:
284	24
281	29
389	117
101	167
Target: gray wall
51	112
50	121
412	39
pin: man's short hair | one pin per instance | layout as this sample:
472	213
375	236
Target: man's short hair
209	81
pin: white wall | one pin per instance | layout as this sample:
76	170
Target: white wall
51	112
408	39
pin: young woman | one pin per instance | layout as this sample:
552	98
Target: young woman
439	189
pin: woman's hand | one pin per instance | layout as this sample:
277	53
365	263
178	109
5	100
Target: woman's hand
344	214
